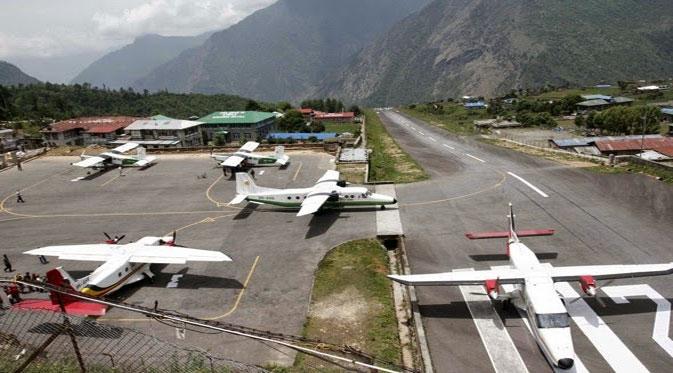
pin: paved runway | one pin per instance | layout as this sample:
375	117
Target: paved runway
599	219
274	252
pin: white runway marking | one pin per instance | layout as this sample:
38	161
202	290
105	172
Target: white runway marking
479	159
499	345
261	173
432	139
662	317
607	343
536	189
449	146
421	133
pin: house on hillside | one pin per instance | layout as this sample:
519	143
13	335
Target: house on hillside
667	114
601	102
475	105
86	131
345	117
237	126
163	132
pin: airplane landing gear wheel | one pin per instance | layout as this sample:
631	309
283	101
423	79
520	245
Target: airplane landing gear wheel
383	207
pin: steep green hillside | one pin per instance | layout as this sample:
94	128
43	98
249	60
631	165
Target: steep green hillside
280	52
480	47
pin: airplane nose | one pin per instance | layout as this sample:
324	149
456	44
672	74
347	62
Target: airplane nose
566	363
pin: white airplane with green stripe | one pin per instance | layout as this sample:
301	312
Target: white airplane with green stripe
328	191
244	157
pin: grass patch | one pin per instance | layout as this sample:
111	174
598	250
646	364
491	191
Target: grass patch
352	303
352	173
453	118
342	127
387	161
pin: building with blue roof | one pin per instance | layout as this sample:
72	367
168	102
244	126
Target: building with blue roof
302	136
475	105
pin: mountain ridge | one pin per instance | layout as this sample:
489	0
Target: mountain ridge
12	75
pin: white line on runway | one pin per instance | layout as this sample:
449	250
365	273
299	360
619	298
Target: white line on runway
449	146
432	139
421	133
471	156
499	345
607	343
663	314
540	192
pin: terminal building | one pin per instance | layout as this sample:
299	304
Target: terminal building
163	132
86	130
237	126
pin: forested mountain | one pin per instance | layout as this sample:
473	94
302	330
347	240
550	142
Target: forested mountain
57	101
124	66
481	47
12	75
280	52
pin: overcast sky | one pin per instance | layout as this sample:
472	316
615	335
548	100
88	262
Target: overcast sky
52	28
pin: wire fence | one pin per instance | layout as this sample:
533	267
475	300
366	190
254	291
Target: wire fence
44	341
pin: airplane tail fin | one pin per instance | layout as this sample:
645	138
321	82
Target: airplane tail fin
280	156
141	153
245	186
60	278
512	232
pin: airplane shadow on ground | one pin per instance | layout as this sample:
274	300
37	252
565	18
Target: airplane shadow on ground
97	174
321	222
459	310
504	257
85	328
246	211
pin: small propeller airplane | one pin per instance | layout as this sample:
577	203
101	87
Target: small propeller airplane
244	157
530	287
124	264
328	191
116	157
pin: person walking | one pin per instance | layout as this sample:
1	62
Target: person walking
121	171
18	165
8	264
19	197
252	173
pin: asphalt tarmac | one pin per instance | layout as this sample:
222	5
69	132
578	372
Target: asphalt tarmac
598	218
268	284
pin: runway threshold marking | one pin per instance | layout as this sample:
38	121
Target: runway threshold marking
432	139
240	294
449	146
498	344
294	178
536	189
660	331
608	344
473	157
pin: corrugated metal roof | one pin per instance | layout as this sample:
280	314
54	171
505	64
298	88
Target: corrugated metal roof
345	115
634	144
162	124
596	97
564	143
478	104
236	117
667	111
587	141
90	124
302	135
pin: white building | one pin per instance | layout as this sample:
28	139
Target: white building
163	132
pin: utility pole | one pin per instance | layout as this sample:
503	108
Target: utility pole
642	138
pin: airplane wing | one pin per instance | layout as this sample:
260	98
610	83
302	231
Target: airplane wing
92	252
603	272
89	162
330	176
126	147
249	147
504	276
173	255
232	161
312	203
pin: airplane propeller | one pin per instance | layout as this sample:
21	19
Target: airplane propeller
595	296
113	241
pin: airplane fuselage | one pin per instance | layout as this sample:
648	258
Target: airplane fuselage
339	197
251	159
546	312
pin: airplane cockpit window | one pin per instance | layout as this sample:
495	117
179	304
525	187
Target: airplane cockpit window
552	320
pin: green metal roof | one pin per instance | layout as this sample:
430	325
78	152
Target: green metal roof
236	117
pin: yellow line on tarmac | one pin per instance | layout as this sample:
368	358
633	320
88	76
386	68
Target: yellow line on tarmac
297	173
240	294
233	308
2	203
492	187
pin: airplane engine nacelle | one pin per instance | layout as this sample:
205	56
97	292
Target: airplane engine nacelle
342	183
588	284
333	197
492	288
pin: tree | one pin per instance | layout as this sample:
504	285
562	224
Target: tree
252	105
355	109
579	121
292	121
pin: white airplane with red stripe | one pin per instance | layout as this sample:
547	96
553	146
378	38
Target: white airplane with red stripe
532	288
